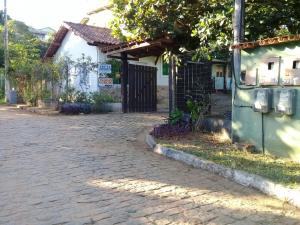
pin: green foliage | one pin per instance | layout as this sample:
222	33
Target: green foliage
30	97
204	25
2	17
115	70
175	117
69	95
101	97
2	86
195	108
45	94
2	94
84	66
98	98
27	73
82	97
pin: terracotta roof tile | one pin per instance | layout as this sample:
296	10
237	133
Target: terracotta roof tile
92	34
267	41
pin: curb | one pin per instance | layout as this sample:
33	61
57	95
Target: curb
243	178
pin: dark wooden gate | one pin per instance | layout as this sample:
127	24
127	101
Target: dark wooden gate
193	81
142	88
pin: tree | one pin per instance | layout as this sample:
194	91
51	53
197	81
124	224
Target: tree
202	25
83	67
2	17
28	74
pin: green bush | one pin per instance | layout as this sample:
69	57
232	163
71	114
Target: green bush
68	95
30	97
115	70
2	94
98	98
82	97
46	94
176	117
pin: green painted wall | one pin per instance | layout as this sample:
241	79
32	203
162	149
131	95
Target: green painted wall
282	133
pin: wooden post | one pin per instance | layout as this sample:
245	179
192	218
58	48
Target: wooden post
172	83
124	82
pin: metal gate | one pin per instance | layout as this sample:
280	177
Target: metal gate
193	81
142	90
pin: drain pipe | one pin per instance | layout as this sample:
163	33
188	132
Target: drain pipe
263	133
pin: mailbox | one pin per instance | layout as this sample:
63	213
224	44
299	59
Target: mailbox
262	100
285	101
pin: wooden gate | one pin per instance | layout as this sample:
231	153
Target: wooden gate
142	88
193	81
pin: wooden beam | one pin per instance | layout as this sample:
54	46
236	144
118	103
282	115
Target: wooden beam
124	82
131	48
157	58
119	57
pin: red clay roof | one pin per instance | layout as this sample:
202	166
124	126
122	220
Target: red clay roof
91	34
267	41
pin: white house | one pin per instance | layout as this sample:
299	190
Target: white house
88	38
74	40
43	34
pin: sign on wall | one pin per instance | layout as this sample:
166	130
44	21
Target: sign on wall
104	68
105	82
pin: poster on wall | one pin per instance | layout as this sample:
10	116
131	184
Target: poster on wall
105	82
104	68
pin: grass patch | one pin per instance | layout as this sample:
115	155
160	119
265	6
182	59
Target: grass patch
215	148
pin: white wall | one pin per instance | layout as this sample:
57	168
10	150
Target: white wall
74	46
150	61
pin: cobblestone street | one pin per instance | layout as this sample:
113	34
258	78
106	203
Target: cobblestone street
95	169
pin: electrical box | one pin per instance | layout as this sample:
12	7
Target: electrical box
262	100
285	101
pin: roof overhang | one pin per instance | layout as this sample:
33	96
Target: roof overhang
95	36
140	49
56	43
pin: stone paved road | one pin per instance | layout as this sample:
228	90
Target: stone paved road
91	170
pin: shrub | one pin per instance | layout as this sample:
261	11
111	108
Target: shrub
82	97
30	98
99	98
197	110
68	95
46	94
2	94
169	130
176	117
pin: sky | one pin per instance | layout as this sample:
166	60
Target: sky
49	13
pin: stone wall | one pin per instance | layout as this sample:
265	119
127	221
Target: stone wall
162	98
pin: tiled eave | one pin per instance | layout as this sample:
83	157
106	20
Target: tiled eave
267	41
